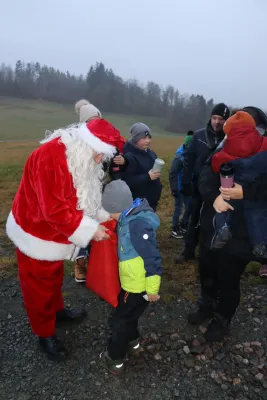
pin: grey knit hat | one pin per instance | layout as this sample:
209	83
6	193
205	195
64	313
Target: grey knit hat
139	131
117	197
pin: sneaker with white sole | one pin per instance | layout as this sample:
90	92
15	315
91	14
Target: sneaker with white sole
80	271
133	348
177	233
263	271
116	367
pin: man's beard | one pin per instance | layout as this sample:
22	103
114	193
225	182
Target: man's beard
87	175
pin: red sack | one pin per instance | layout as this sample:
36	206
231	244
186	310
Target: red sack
103	267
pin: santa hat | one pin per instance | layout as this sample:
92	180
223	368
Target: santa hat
99	143
86	110
106	132
239	119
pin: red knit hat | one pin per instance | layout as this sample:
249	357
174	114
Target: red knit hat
240	119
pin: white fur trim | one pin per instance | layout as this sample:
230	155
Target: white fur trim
95	143
85	231
37	248
102	215
81	131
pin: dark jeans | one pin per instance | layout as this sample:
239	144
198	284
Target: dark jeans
179	201
83	252
192	237
220	275
123	323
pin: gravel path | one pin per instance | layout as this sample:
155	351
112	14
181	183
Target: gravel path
176	361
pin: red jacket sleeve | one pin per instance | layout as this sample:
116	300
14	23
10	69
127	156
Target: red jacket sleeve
57	200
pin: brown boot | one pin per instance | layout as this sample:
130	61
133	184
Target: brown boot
80	270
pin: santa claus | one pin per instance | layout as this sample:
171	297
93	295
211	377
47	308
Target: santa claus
91	115
56	211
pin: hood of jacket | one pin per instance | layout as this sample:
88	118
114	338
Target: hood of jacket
150	216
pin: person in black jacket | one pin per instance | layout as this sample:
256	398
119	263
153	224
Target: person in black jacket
220	270
139	160
203	144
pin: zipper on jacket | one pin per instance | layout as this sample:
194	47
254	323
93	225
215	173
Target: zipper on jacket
200	212
201	141
212	240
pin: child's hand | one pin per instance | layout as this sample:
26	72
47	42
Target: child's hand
153	297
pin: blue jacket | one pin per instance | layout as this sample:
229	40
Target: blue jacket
247	170
139	257
139	163
175	174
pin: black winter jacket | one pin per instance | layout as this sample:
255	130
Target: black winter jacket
256	190
139	163
239	245
204	142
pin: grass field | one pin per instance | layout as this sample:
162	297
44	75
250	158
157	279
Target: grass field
28	121
25	122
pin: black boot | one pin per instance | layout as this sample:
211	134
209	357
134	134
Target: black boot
201	315
217	329
116	367
184	257
53	349
71	316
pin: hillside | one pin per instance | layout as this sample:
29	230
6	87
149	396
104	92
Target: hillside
28	119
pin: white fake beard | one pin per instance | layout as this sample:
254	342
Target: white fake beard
87	175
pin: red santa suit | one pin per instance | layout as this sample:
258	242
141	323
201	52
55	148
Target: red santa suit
46	224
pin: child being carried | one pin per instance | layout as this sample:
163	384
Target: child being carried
243	159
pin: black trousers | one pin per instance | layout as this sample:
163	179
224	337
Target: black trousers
192	236
220	275
123	323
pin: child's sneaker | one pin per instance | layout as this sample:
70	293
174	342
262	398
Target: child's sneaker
116	367
133	347
80	271
263	271
183	229
177	233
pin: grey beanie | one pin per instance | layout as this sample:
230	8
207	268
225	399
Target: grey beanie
117	197
139	131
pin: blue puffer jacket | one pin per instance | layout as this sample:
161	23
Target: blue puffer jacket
247	170
175	173
180	154
139	257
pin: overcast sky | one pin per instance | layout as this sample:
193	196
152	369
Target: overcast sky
211	47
